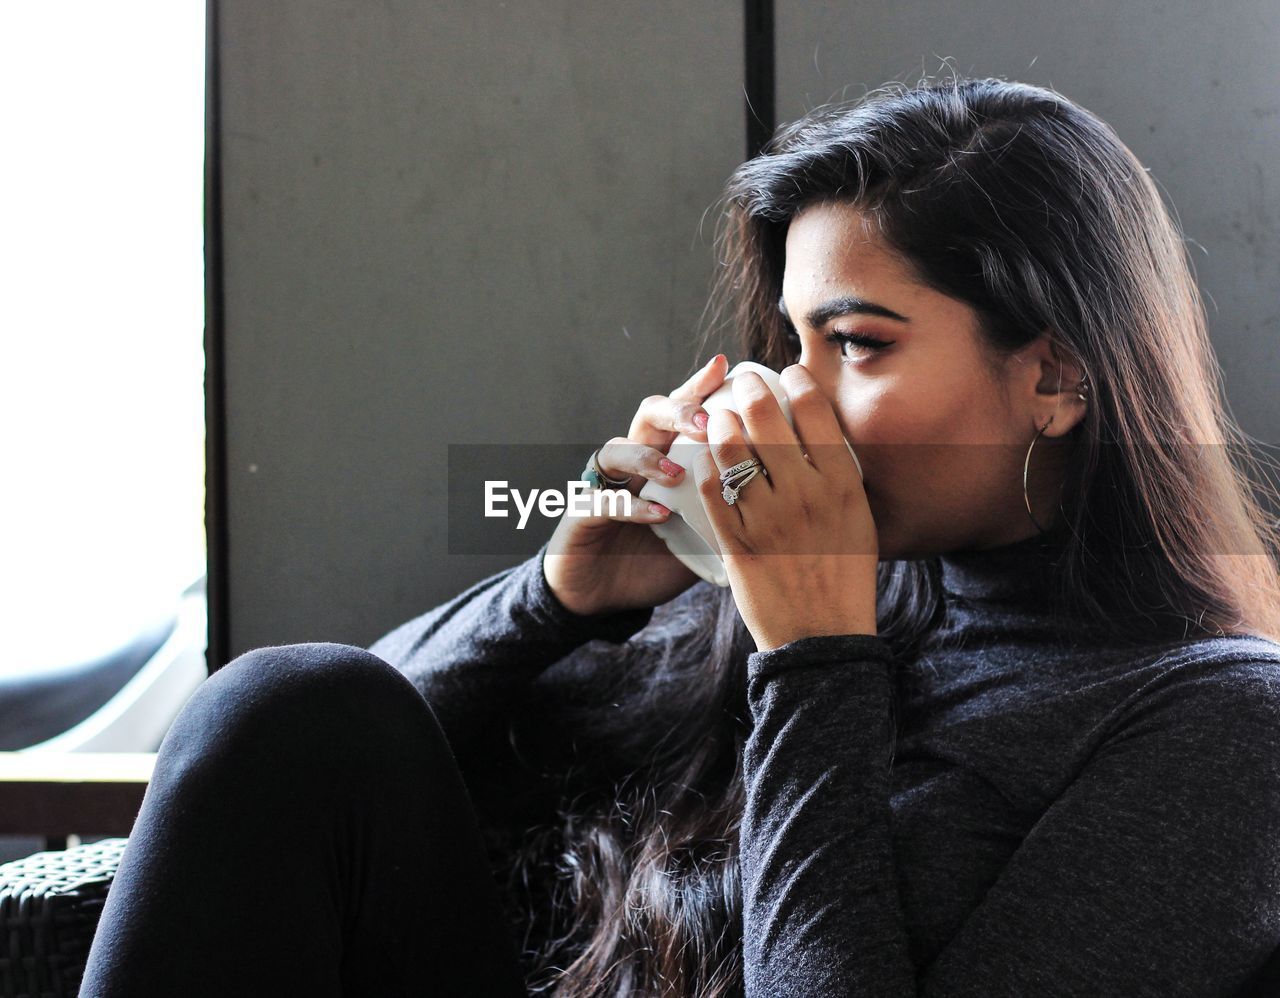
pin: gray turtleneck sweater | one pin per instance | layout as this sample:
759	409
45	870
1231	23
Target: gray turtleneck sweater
1058	814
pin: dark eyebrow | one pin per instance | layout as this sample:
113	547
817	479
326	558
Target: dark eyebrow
845	305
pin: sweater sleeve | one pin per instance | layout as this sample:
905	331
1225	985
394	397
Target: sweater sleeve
474	658
821	914
1156	872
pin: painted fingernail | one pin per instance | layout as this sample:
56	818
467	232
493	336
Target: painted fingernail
670	468
657	509
700	420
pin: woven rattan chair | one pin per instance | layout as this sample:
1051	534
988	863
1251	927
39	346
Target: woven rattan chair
50	903
49	908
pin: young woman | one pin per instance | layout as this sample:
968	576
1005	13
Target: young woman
1001	716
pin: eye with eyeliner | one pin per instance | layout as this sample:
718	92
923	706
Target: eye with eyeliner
841	339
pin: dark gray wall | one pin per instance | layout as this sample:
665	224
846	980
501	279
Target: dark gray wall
1190	88
446	224
483	223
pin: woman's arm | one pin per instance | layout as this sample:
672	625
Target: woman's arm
1156	872
474	658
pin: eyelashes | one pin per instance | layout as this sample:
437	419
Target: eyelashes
854	339
841	339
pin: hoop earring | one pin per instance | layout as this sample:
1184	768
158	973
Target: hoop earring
1083	391
1025	465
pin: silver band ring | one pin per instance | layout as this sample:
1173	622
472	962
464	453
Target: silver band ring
597	479
735	479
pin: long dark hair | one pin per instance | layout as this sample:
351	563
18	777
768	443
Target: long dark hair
1020	203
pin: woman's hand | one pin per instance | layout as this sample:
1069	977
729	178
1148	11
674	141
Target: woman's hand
800	545
597	564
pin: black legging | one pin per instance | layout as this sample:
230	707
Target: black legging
306	832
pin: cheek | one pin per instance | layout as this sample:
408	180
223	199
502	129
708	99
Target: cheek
896	411
896	426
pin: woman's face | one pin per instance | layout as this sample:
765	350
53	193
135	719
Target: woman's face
941	435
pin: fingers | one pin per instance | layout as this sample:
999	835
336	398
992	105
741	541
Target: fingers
620	505
727	447
703	381
621	457
660	417
816	424
760	420
657	422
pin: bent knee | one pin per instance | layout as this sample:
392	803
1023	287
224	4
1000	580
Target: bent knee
321	692
319	668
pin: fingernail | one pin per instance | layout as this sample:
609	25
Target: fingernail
657	509
670	468
700	420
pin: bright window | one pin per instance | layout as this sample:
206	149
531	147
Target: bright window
101	321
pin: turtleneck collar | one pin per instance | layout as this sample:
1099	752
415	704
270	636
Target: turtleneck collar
1019	572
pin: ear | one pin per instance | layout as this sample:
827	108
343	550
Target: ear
1051	385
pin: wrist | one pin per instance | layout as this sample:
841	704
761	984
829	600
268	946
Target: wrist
557	597
773	642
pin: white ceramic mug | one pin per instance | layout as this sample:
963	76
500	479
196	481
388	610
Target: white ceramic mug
687	531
